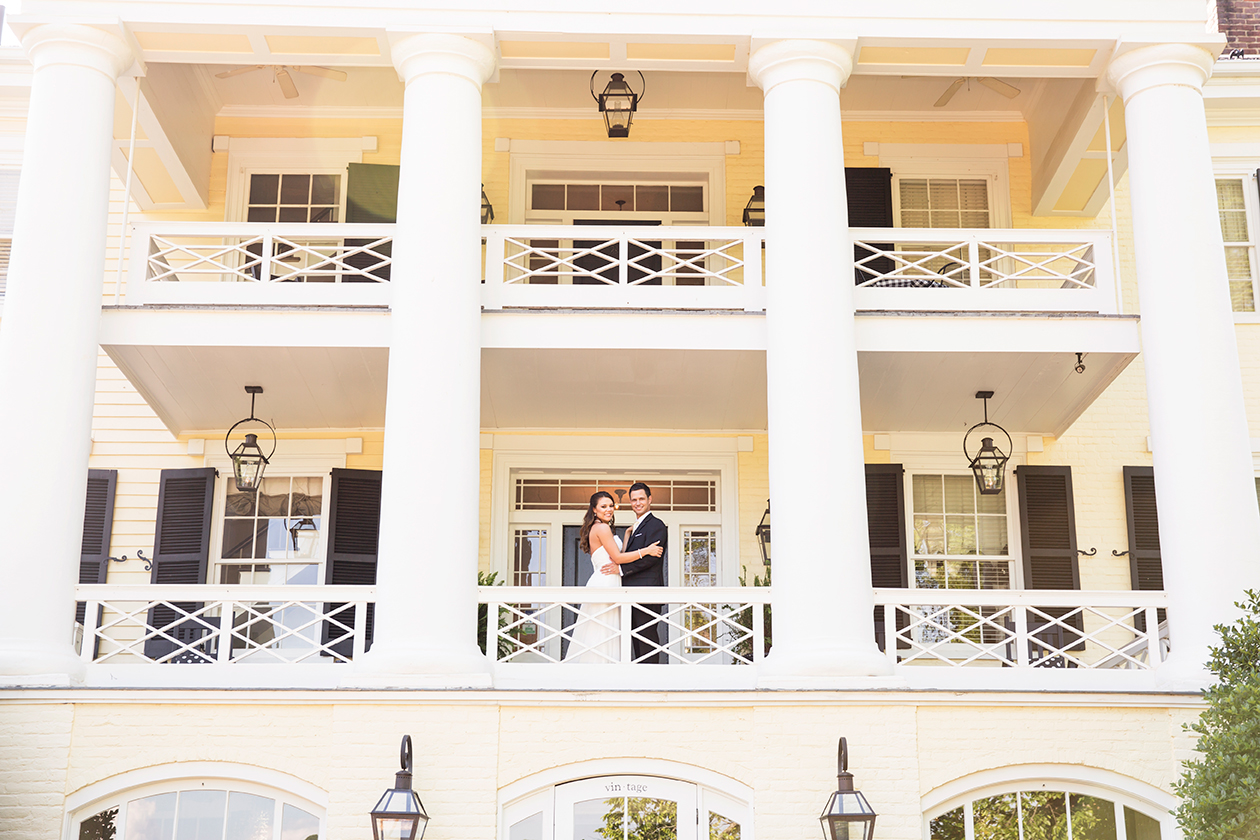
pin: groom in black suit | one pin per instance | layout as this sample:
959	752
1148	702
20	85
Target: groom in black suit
648	571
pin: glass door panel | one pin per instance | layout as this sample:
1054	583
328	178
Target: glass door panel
626	808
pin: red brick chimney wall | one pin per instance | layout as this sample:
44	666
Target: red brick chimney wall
1240	21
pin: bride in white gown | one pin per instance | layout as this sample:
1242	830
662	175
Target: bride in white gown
594	637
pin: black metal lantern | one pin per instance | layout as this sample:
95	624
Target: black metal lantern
487	209
399	814
248	460
763	535
618	103
848	816
988	465
755	209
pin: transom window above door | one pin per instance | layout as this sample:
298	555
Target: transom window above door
575	493
618	198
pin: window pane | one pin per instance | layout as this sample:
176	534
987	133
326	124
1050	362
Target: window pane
200	815
949	826
914	195
263	189
583	197
151	818
929	574
1045	815
995	503
295	189
324	189
266	215
973	194
102	826
273	497
960	494
249	817
686	199
652	819
530	828
1241	297
996	818
529	558
1092	818
960	535
942	194
293	215
299	825
652	198
1138	826
928	495
610	194
995	575
238	538
929	534
961	574
547	196
992	534
598	819
915	219
946	219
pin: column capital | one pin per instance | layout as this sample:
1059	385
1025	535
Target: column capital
1160	64
796	60
435	52
79	46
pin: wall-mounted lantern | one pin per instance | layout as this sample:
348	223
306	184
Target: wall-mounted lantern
848	816
755	209
763	535
618	103
487	209
988	464
399	814
248	460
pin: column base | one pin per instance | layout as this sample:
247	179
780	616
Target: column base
419	668
1184	673
32	664
828	668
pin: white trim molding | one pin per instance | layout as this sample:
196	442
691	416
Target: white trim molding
285	154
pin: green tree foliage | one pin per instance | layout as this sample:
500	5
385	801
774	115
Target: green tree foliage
1220	791
650	819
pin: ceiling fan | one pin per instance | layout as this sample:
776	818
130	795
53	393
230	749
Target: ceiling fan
280	72
1007	90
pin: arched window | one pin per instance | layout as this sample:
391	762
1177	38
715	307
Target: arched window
627	807
1043	812
198	809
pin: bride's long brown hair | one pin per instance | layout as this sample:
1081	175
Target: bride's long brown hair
588	521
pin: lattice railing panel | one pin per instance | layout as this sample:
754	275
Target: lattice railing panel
623	260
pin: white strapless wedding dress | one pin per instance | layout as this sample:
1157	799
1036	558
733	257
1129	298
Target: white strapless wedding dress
594	636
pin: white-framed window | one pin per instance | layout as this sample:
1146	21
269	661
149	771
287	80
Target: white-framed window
213	809
587	197
1051	810
959	537
275	535
1236	200
252	199
940	202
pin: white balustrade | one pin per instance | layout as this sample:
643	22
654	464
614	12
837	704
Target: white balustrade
995	270
296	264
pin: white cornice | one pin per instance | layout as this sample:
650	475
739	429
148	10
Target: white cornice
313	112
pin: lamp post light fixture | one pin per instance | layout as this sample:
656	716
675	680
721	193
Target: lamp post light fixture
399	814
487	209
848	816
763	535
618	103
988	464
248	460
755	209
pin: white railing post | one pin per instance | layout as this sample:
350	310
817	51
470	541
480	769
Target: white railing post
91	610
754	293
227	616
1154	656
1022	640
138	262
623	259
973	261
758	631
623	619
359	641
264	267
494	269
890	632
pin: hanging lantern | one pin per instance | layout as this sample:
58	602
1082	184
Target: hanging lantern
988	465
487	209
848	816
618	103
763	535
248	460
399	814
755	209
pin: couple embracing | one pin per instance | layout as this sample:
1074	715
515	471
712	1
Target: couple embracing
595	636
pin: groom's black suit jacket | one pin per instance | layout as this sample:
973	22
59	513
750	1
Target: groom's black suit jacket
648	571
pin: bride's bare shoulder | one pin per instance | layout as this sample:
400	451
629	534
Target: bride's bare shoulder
601	528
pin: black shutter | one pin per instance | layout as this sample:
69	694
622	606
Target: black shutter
1146	568
371	198
1048	537
98	523
181	555
869	193
886	524
353	533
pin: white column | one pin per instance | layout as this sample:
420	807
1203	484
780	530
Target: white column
1209	527
427	566
48	344
822	568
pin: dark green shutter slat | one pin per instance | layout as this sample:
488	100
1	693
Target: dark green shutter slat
181	555
371	198
98	523
1146	567
886	526
869	193
1048	538
354	525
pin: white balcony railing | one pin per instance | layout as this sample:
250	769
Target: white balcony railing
623	267
260	264
610	266
985	270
